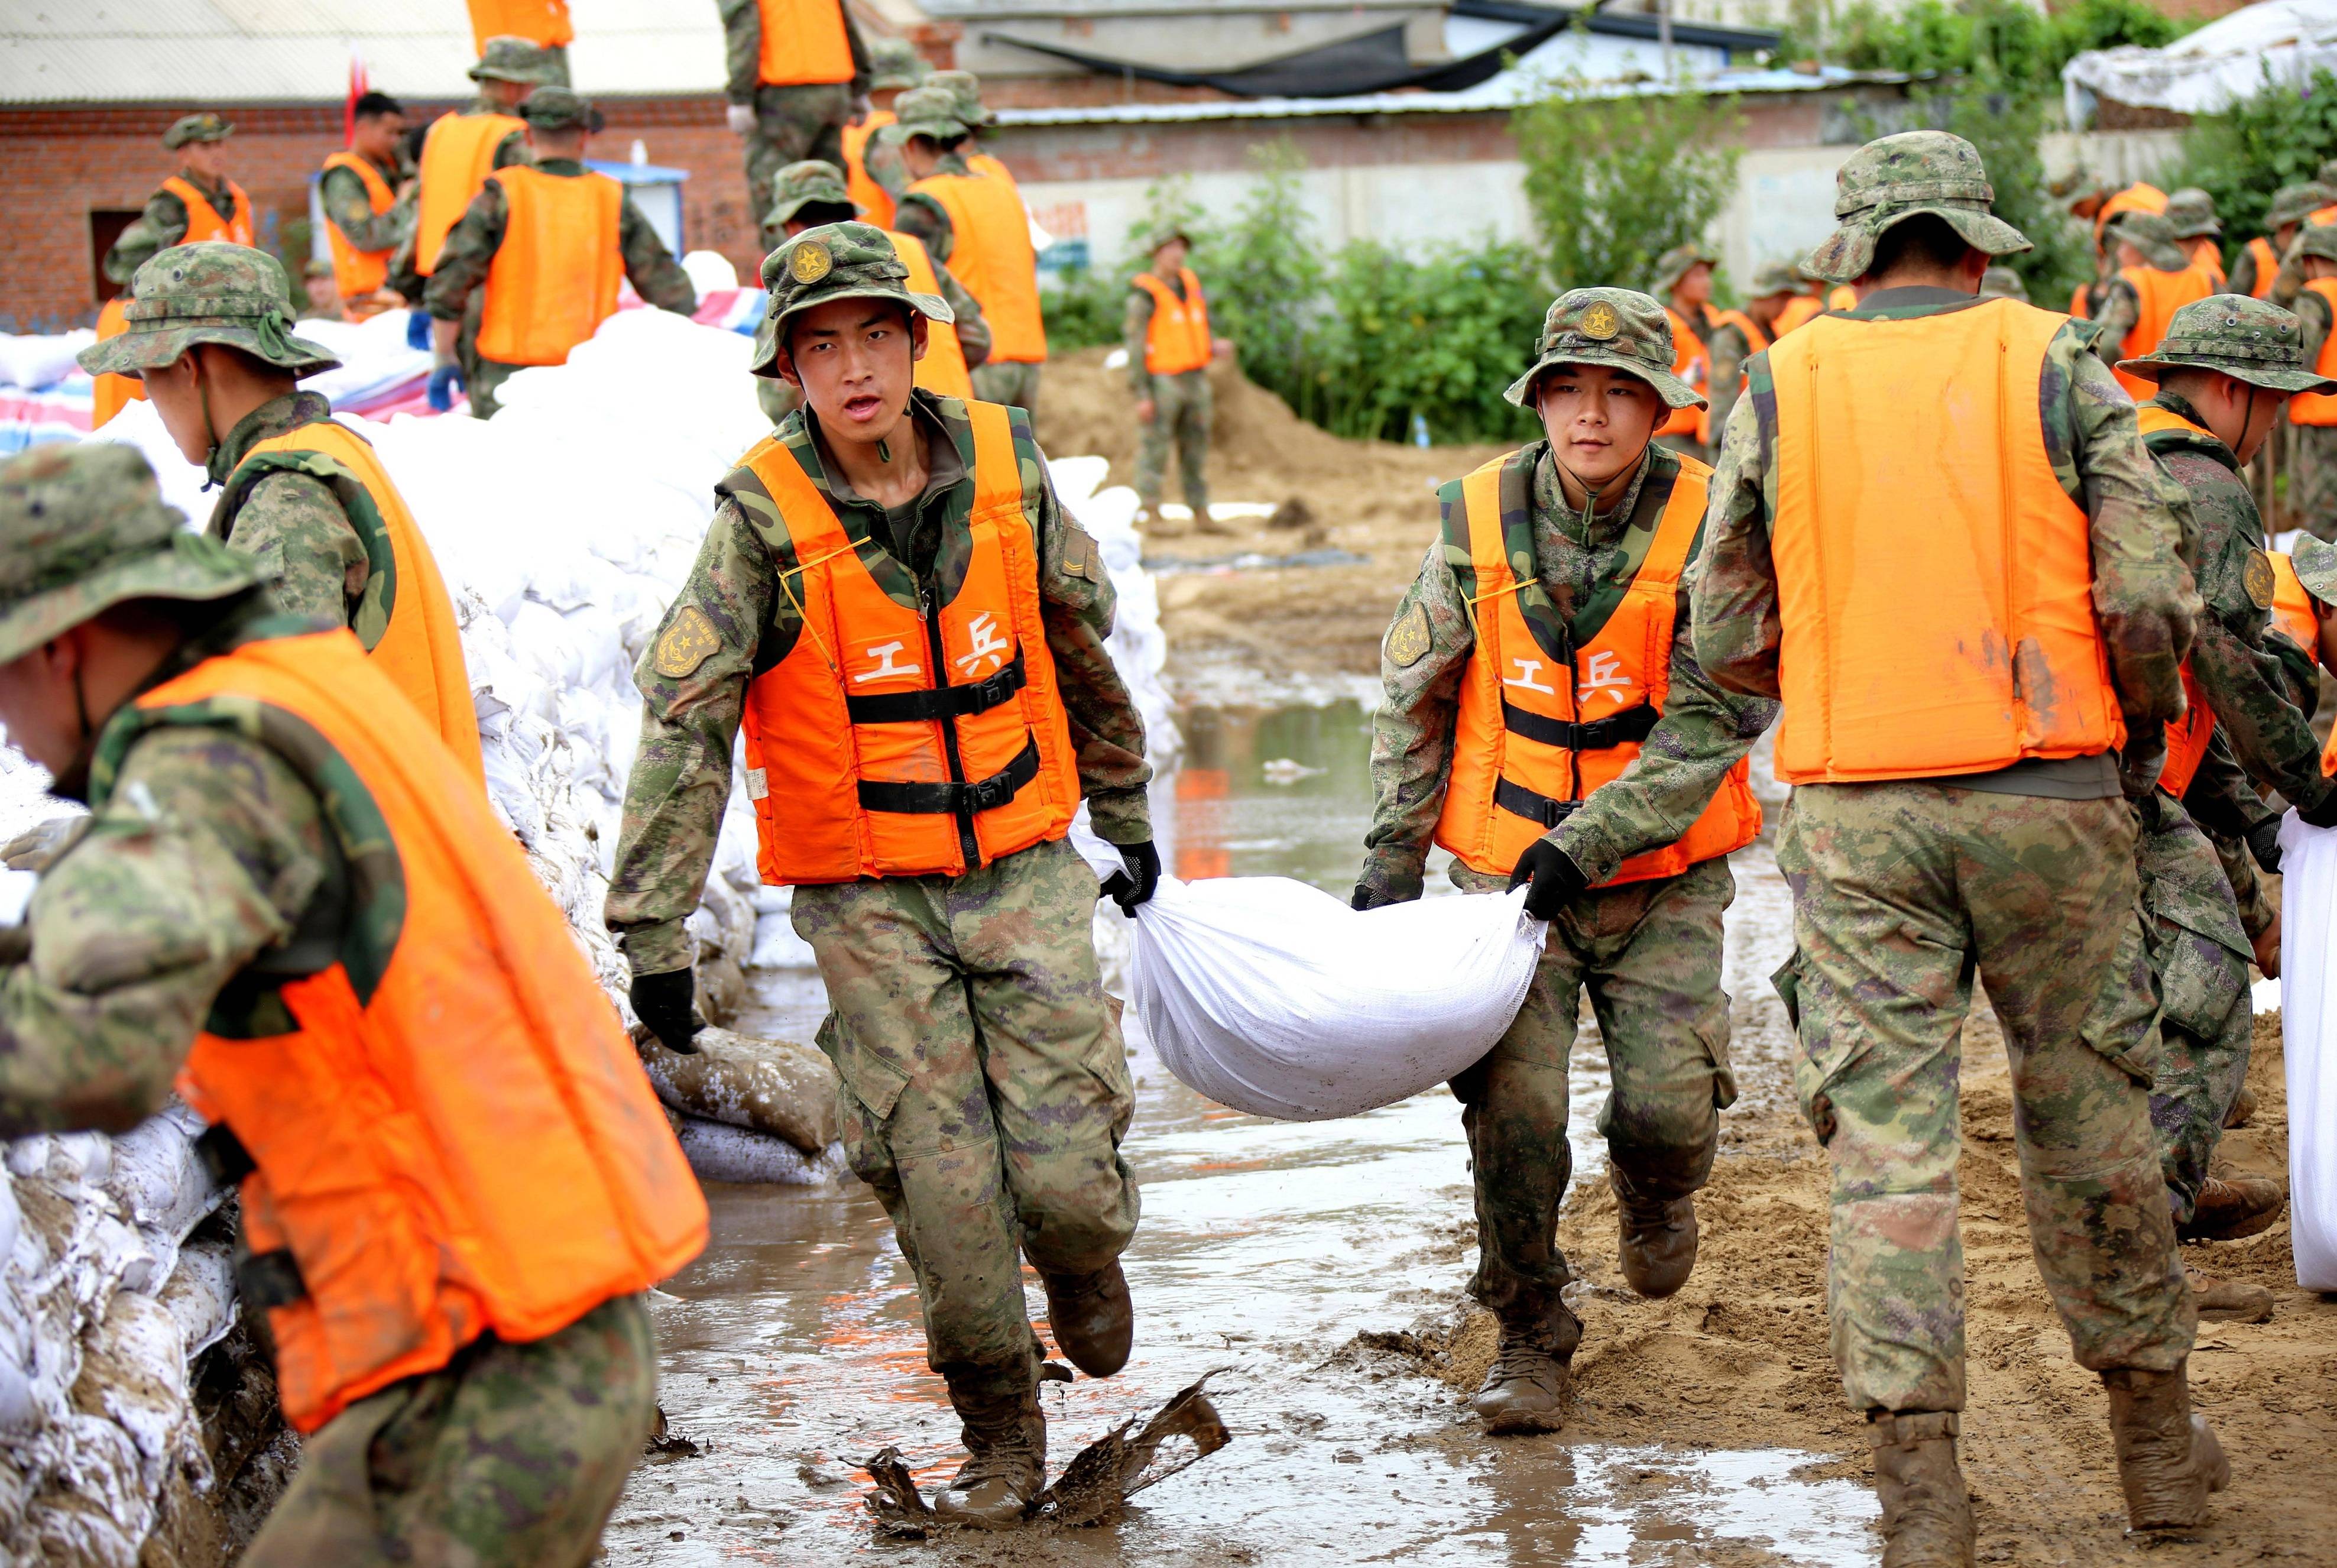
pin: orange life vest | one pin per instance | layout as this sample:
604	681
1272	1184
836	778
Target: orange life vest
2208	257
1842	297
890	740
2159	295
1799	311
2320	407
456	1137
420	648
358	273
2319	217
2081	301
992	256
1179	337
1688	363
554	277
984	164
2267	267
942	370
1755	340
1534	737
544	23
1962	646
804	43
109	394
458	153
2135	198
205	222
875	203
2292	614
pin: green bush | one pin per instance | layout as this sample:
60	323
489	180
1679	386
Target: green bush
1615	182
2240	157
2006	128
1084	309
2006	45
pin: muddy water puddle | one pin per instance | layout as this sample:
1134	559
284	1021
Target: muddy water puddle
792	1349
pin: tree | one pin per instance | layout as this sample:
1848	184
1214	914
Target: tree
1615	182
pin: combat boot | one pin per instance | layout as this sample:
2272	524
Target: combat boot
2243	1109
1091	1318
1658	1246
2167	1459
1006	1461
1525	1388
1927	1518
2231	1206
2228	1300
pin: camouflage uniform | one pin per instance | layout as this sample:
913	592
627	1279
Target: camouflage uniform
204	849
1725	343
163	221
457	287
1180	409
505	59
1650	951
1903	891
791	123
2191	218
2311	448
2116	307
2290	205
348	207
896	66
987	1089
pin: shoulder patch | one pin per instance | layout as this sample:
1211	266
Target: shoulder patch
687	641
1408	639
1080	555
2259	580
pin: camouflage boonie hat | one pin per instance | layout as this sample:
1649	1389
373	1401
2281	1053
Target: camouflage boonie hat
1152	236
1620	328
964	89
2316	567
558	108
2002	283
2295	203
928	111
2316	239
209	292
810	183
1897	177
197	128
1774	278
82	528
2153	235
2191	212
894	63
834	261
2249	340
317	267
510	59
1672	265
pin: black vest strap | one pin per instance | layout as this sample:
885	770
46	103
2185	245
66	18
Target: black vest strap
267	1279
988	795
942	702
1532	804
1632	724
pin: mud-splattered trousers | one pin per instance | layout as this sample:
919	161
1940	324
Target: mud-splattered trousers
1180	414
1649	955
986	1090
1901	893
509	1456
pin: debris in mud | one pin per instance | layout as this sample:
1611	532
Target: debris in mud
665	1443
900	1508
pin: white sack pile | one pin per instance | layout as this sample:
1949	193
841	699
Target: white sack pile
2308	1031
2277	44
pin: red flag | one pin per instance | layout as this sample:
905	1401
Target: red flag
359	87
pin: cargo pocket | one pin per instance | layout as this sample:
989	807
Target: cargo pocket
1715	1046
2110	1026
2200	981
1813	1072
868	1087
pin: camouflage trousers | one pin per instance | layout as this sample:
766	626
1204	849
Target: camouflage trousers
2313	479
1010	381
510	1454
483	380
791	124
1901	893
1180	414
986	1089
1649	955
2199	955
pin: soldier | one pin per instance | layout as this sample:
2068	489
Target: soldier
872	164
2002	283
2155	278
2312	417
536	301
1167	334
288	898
973	220
2102	204
1712	347
1805	306
300	493
363	216
2191	214
812	195
542	22
2258	266
322	300
461	148
1954	816
798	74
1777	290
1553	593
199	202
918	807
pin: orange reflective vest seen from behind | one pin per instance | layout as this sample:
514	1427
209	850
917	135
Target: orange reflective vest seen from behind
875	202
1967	644
205	222
2320	407
894	740
554	278
458	153
419	648
454	1136
1179	337
2267	267
540	22
1689	364
357	273
992	256
109	394
943	368
2157	295
804	43
1534	735
1799	311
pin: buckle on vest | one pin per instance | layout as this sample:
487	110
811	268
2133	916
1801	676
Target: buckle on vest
271	1279
1532	804
990	794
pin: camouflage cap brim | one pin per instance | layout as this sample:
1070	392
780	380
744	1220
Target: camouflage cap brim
153	343
1849	251
2156	254
185	566
766	363
2272	377
1675	392
2316	567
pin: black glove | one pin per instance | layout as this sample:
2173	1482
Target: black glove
662	1001
1136	885
1366	896
1556	880
2321	816
2264	843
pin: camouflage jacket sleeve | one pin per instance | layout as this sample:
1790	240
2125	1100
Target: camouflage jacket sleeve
2313	313
919	214
1134	330
1735	625
656	276
161	225
206	852
350	210
294	526
742	49
881	157
1422	659
861	70
972	326
2115	315
469	252
1727	350
2242	278
681	783
2226	808
2288	283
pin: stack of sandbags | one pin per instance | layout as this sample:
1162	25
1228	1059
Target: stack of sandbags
750	1109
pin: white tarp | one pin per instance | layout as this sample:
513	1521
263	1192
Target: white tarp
2308	1031
1274	997
2280	42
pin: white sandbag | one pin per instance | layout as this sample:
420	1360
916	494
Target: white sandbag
2308	1031
1275	998
719	1152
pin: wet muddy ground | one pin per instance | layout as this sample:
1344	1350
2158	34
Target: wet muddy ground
1318	1271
